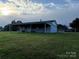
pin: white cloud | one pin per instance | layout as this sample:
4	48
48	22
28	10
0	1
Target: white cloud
29	11
26	7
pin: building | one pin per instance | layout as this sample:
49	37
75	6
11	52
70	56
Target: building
40	26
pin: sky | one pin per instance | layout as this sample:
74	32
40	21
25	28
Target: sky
63	11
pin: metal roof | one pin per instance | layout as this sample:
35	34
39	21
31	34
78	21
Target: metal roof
38	22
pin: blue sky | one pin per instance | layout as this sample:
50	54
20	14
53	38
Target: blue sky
48	1
63	11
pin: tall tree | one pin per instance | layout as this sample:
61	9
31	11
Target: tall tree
19	22
75	25
13	22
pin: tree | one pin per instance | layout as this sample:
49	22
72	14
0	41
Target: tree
1	28
62	27
6	27
13	22
75	25
11	27
19	22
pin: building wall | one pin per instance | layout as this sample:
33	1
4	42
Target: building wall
53	27
50	28
38	30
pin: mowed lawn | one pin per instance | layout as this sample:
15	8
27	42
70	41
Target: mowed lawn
17	45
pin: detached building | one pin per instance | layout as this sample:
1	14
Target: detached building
49	26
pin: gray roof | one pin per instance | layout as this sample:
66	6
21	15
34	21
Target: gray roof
38	22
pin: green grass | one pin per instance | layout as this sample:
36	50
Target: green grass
16	45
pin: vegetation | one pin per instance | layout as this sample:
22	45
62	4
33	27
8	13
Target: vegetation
6	27
62	28
16	45
75	25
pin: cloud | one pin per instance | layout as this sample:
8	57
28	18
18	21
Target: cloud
28	10
26	7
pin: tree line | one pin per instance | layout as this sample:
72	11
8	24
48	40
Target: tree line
74	26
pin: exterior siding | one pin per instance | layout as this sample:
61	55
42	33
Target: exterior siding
45	27
53	27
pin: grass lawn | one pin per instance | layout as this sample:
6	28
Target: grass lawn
15	45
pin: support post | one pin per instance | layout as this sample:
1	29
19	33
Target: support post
45	28
30	28
75	30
